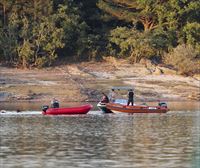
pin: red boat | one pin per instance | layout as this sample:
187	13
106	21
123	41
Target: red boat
120	108
67	110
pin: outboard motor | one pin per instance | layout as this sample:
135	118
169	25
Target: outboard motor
44	108
162	104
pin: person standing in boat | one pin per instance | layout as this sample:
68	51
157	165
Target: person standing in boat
54	103
112	95
105	98
130	97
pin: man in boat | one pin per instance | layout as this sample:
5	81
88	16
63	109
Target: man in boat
112	95
130	97
54	103
105	98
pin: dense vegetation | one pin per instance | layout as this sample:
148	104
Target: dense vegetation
36	33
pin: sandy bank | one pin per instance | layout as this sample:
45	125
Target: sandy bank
86	81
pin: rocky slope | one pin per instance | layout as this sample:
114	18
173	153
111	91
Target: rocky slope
86	81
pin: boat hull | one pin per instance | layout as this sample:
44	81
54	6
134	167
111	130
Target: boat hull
68	110
103	108
118	108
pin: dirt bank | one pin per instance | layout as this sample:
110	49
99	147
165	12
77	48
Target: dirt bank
86	81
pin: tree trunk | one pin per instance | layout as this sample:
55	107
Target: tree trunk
4	13
147	23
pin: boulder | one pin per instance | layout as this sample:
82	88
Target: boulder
194	96
196	76
168	71
147	63
157	71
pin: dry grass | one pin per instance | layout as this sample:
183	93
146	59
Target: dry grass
183	58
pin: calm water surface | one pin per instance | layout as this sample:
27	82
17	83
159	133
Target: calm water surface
31	140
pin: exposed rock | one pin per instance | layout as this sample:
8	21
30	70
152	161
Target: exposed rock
5	96
168	71
85	81
147	63
194	96
157	71
196	76
24	97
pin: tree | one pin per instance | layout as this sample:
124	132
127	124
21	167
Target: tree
192	34
169	23
81	29
153	14
137	11
134	42
33	27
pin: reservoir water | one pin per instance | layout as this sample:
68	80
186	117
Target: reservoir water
31	140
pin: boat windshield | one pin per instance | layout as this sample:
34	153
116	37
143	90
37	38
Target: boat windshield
120	88
120	93
121	101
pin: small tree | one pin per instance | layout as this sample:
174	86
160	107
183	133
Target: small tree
25	52
133	43
192	34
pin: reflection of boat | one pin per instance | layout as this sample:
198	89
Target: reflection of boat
120	108
102	107
67	110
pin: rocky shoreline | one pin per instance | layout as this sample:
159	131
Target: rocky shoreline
85	81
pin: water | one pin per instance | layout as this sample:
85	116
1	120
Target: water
29	139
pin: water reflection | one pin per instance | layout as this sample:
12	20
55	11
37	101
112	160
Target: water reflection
105	140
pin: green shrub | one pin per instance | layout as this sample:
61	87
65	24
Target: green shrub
132	43
41	62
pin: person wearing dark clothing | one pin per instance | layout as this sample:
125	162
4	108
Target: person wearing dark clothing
105	98
130	97
54	103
